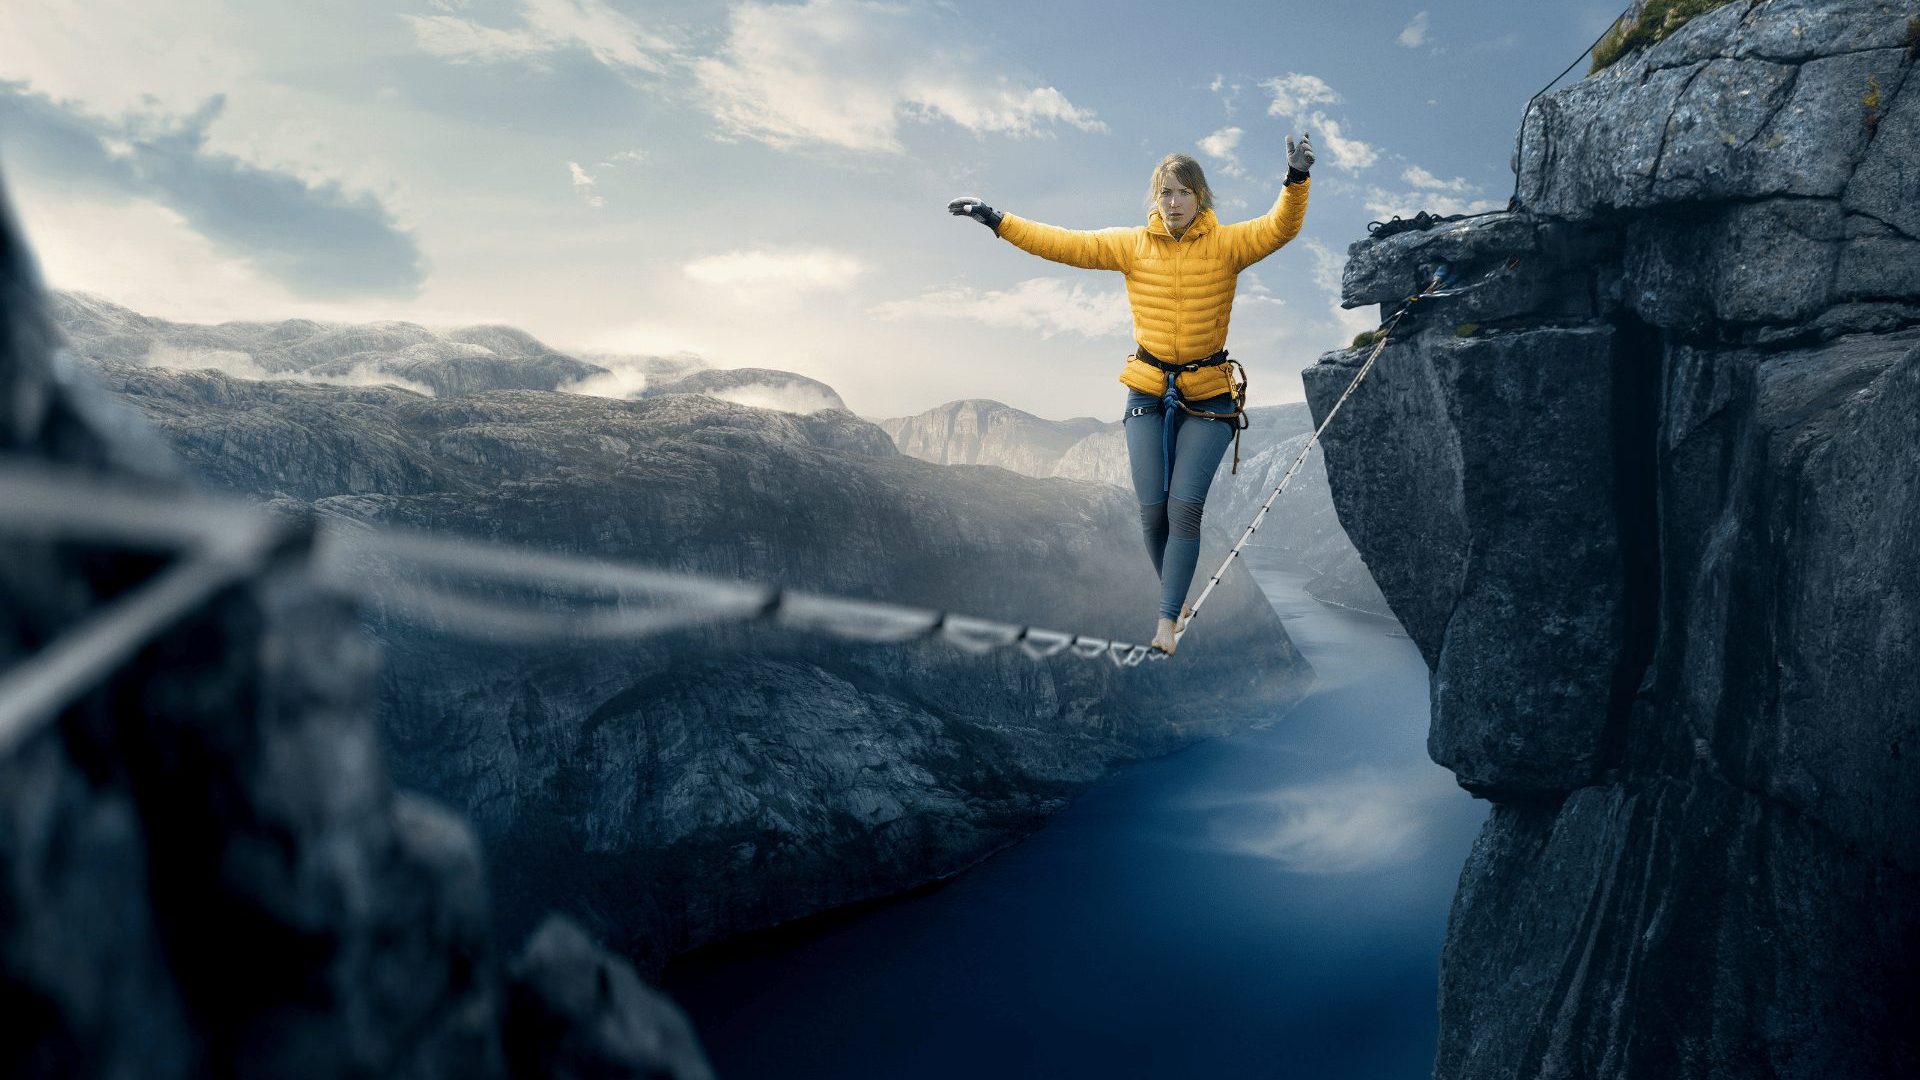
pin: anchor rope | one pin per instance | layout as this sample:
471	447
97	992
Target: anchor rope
1433	291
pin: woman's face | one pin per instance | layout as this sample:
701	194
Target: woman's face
1177	202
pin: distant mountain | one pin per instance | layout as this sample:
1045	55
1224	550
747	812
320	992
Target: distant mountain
762	388
1302	531
980	432
469	360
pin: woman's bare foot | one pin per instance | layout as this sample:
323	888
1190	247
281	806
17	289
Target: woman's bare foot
1186	616
1163	637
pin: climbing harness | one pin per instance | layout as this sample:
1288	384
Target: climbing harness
1443	276
1171	399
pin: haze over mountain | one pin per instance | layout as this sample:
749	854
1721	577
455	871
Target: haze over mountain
678	789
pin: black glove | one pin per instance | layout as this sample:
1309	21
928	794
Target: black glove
970	206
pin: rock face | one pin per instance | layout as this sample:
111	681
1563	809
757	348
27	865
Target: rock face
205	869
670	791
1652	524
1301	532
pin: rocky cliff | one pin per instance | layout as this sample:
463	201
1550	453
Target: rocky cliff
205	866
1648	497
672	791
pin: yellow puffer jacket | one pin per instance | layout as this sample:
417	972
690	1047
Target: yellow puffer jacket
1181	290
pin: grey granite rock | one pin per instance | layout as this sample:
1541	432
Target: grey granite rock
1751	101
576	1013
1671	626
205	869
1508	532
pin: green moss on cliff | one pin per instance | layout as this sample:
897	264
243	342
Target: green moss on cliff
1656	21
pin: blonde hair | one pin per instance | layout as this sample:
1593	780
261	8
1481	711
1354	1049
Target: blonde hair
1187	173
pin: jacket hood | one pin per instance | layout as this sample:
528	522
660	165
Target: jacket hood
1202	225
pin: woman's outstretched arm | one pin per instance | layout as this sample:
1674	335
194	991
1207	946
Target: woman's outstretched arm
1247	242
1101	249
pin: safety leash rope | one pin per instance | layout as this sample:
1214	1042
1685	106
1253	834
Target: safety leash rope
1432	291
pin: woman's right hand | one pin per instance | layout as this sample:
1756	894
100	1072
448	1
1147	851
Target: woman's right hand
971	206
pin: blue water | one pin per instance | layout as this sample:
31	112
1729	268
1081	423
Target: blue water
1266	905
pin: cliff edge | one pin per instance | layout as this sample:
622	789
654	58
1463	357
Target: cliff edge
1647	497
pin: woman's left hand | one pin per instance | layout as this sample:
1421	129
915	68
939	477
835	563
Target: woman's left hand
1300	157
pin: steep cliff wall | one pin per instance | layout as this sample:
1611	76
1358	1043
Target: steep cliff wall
1648	500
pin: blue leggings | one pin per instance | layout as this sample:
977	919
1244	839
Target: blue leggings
1170	508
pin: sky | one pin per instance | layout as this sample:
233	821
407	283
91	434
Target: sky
759	184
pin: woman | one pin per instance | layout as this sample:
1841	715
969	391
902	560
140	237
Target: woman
1181	268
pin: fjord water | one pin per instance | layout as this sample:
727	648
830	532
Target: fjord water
1265	905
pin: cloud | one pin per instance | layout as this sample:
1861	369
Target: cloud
1430	193
1421	178
1048	306
315	238
583	184
1253	292
1229	93
847	73
240	365
784	269
1366	820
1220	146
789	399
547	26
1351	155
1414	34
1294	94
1328	268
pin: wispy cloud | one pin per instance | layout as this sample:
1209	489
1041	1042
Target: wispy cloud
317	239
1421	178
1345	153
1047	306
1428	192
1328	266
1228	91
583	186
784	269
1221	147
1366	820
847	73
240	365
546	27
1414	34
1295	95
